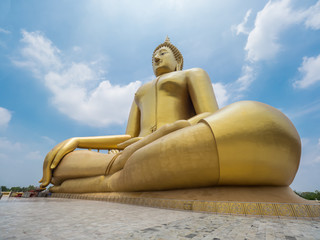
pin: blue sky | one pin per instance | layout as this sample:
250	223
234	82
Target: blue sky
70	68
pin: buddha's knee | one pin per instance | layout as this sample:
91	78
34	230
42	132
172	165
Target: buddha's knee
257	145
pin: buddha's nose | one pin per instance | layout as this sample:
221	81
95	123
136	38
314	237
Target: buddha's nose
156	59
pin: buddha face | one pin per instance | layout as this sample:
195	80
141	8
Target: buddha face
163	61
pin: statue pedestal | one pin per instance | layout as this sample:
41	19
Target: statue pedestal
256	201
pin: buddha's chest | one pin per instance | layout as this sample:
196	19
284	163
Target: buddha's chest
161	89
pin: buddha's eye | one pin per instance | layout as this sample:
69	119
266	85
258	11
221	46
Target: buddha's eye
163	53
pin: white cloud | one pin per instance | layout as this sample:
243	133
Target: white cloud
227	93
39	54
310	70
271	21
262	41
5	117
246	79
241	27
313	16
2	30
78	89
221	93
103	105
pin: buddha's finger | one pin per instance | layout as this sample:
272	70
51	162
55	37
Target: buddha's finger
52	154
46	178
65	149
47	173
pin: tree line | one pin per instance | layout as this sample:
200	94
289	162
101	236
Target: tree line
17	189
309	195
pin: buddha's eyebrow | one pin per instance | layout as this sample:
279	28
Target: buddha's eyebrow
163	50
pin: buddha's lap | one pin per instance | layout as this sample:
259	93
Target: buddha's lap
256	145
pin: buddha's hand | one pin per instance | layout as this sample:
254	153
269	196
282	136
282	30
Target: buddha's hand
135	144
127	143
54	157
171	127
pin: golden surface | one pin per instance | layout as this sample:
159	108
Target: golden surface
176	138
257	145
263	209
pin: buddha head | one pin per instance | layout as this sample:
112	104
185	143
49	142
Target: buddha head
166	58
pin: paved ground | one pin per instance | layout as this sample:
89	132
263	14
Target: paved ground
52	218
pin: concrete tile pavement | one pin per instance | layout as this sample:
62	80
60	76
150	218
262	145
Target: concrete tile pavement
54	218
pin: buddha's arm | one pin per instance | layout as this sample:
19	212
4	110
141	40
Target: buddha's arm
133	126
201	93
105	142
59	151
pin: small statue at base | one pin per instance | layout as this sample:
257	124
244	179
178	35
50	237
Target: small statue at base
177	138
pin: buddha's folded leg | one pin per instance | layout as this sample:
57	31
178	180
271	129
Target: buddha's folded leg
79	164
183	159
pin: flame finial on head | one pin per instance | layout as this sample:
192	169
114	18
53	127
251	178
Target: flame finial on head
177	54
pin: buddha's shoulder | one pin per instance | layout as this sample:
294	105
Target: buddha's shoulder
145	87
192	71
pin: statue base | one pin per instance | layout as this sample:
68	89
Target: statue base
255	201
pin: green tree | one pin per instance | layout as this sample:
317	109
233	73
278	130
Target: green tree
309	195
18	189
4	189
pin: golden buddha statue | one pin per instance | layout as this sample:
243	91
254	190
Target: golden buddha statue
177	138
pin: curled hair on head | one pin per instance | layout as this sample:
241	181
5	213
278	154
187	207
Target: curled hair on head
177	54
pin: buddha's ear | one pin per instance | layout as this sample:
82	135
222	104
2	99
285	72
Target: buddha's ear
179	65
